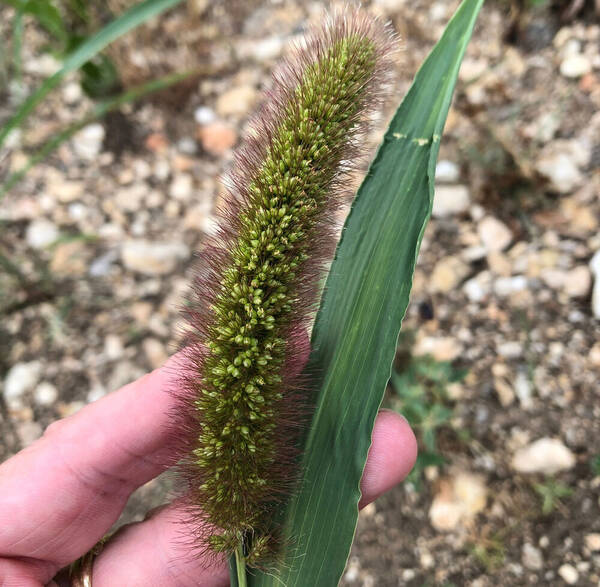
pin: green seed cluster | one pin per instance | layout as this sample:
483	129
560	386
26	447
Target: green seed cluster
240	386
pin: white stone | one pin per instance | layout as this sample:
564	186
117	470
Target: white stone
204	115
510	349
505	286
569	574
41	233
72	93
352	573
130	198
544	127
426	559
153	258
87	143
102	265
523	390
113	347
570	48
97	392
44	66
447	171
13	139
444	348
447	274
21	378
471	68
479	287
494	234
553	278
505	393
181	187
595	269
592	541
261	50
187	146
561	163
111	232
595	264
450	200
545	455
66	191
408	574
459	500
574	66
561	171
142	169
532	557
237	101
45	394
594	355
161	169
578	282
77	211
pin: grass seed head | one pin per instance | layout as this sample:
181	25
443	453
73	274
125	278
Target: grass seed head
258	285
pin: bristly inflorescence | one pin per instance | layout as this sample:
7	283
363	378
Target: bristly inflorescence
258	285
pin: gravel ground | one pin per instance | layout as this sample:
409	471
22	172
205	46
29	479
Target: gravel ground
104	231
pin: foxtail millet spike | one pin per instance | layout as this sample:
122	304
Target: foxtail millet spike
253	297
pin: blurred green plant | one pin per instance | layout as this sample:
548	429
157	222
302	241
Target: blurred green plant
595	465
551	493
68	24
83	54
419	387
102	108
489	552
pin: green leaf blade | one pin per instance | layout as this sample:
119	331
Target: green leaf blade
356	330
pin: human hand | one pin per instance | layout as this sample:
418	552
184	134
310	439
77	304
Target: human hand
61	495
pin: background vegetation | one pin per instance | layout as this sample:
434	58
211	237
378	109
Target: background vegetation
500	348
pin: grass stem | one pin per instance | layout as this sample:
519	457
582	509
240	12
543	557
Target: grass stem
240	564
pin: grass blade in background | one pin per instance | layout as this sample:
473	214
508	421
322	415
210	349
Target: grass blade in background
355	334
137	15
97	112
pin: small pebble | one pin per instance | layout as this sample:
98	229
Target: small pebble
494	234
578	282
592	542
237	101
204	115
446	172
153	258
217	138
447	274
181	187
87	143
41	233
21	378
45	394
546	455
113	347
574	66
569	574
595	269
450	200
72	93
531	557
